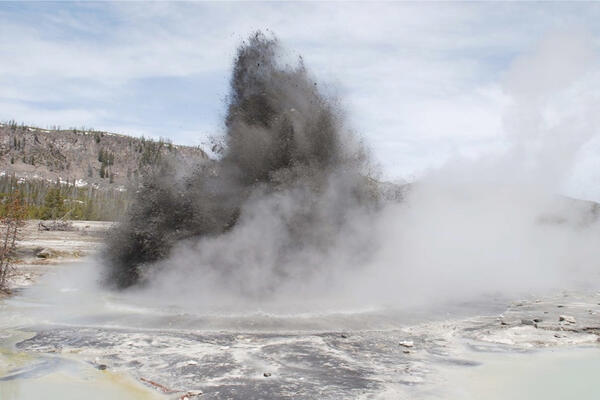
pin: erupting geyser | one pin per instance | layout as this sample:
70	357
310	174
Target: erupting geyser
275	202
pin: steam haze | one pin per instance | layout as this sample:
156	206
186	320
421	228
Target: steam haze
311	230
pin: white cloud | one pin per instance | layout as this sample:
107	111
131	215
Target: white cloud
421	81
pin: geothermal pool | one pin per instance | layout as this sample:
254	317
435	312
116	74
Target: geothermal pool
57	336
547	374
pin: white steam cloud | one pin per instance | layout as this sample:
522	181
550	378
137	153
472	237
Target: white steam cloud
498	224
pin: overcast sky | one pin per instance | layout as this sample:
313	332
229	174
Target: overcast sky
421	82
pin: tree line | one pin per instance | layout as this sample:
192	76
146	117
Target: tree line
54	200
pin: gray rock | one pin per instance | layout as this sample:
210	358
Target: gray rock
567	318
528	322
191	393
44	253
407	343
267	374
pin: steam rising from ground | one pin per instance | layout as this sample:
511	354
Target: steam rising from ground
289	214
290	185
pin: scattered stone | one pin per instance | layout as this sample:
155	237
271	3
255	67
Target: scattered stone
102	367
186	364
408	351
407	343
267	374
44	253
158	386
56	225
344	336
528	322
536	320
191	393
560	306
567	318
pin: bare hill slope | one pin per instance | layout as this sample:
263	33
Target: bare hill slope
82	156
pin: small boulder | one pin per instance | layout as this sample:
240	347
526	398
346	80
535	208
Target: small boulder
191	394
267	374
407	343
44	253
344	336
528	322
101	367
567	318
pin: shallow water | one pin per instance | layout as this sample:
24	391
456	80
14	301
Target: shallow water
26	375
549	374
75	384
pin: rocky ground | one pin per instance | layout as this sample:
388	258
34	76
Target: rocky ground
39	249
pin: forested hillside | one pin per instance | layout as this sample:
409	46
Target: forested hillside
83	174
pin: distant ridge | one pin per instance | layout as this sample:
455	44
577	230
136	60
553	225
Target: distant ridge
82	156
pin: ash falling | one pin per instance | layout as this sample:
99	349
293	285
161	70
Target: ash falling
292	179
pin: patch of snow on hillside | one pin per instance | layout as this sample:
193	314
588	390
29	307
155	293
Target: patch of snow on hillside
80	183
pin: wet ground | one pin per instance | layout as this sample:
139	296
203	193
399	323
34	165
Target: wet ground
65	335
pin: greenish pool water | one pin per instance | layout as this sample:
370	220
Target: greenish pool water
549	374
27	376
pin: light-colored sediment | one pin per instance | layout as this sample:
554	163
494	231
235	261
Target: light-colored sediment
63	247
266	356
410	362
